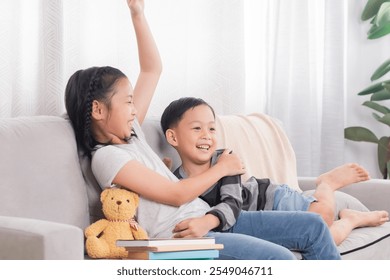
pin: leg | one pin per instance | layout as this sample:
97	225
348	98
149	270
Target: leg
351	219
302	231
331	181
97	248
244	247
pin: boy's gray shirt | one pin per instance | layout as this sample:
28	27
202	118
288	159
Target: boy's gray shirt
229	196
156	218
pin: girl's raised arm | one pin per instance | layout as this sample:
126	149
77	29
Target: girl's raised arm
149	59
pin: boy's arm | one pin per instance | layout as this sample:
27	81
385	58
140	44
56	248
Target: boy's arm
230	205
195	227
149	60
221	216
225	198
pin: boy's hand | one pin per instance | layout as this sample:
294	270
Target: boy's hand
195	227
231	163
136	6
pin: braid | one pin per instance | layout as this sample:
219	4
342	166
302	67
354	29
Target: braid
95	85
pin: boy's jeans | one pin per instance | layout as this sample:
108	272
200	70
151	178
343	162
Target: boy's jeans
259	234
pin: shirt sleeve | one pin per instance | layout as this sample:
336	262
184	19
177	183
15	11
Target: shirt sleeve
106	163
230	204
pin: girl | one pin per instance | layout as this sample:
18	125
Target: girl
100	102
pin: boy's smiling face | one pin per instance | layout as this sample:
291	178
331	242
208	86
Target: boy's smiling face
194	137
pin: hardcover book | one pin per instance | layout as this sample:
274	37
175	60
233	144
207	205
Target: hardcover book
164	242
167	248
175	255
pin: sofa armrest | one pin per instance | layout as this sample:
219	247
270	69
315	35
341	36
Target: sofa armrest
374	194
29	239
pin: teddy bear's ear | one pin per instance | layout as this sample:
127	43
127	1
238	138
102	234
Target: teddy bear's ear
104	194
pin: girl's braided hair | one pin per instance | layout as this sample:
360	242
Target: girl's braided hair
85	86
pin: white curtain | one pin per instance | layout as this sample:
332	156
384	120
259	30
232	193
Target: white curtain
287	58
302	75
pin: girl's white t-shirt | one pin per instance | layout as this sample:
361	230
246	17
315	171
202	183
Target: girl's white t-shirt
156	218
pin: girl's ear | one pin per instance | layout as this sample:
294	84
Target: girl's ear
97	110
171	137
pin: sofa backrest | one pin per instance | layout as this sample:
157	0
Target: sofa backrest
40	175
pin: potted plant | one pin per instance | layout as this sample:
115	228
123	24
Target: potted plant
379	13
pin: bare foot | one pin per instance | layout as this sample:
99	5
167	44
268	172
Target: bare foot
343	175
364	219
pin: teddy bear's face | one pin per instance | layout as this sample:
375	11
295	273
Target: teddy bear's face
119	204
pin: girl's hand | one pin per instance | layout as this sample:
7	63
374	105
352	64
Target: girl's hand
136	6
231	163
195	227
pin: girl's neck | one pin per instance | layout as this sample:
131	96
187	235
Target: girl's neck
102	137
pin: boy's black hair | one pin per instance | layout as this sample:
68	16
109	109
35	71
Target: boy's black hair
176	109
83	87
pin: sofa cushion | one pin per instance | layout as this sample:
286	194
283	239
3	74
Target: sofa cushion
40	171
367	244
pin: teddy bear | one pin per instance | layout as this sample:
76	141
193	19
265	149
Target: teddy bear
119	207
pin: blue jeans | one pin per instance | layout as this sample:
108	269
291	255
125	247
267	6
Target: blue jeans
270	235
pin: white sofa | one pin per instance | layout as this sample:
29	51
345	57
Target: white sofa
48	194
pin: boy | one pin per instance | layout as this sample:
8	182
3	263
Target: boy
189	126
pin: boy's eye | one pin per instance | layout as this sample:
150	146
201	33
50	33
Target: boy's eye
197	128
212	129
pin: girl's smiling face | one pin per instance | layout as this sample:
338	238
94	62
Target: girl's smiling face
113	124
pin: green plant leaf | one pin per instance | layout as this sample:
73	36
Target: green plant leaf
376	32
358	133
386	85
388	171
373	88
377	107
381	25
380	95
385	119
376	116
383	15
371	9
384	155
381	71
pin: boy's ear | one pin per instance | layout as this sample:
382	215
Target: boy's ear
171	138
97	110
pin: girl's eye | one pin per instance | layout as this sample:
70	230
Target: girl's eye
212	129
197	128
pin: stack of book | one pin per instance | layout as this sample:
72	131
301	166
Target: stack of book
203	248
